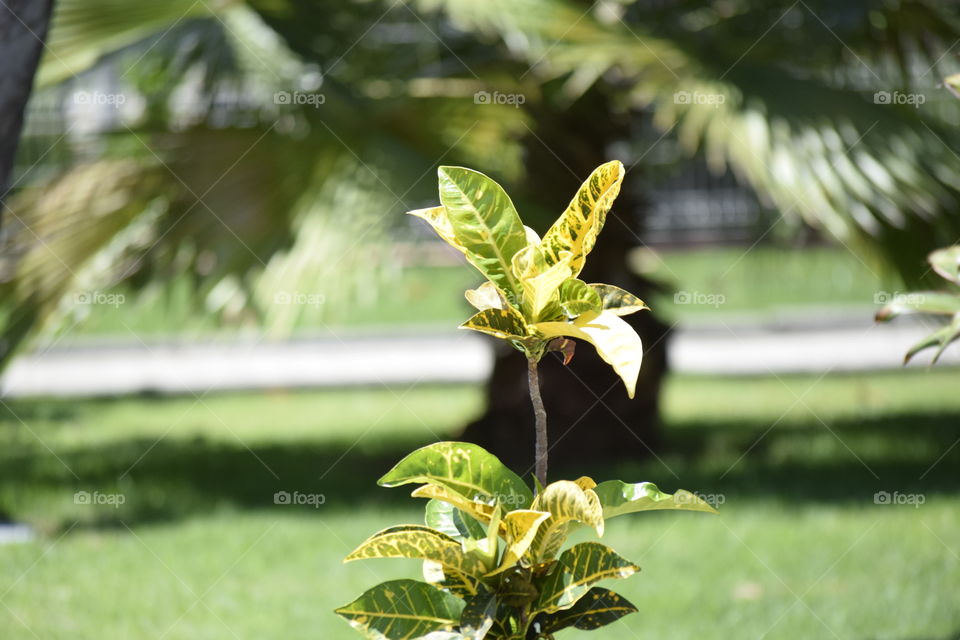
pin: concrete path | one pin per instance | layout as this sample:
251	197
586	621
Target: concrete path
329	360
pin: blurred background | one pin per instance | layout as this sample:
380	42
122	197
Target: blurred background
218	329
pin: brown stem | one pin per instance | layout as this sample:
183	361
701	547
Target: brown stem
540	452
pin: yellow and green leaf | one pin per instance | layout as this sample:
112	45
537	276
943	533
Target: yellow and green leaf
446	518
402	610
499	323
465	469
484	222
519	529
577	228
615	340
566	502
576	570
578	298
419	543
597	608
618	301
484	297
618	498
456	582
437	217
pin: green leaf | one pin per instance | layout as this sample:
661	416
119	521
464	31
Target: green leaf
618	498
485	223
506	324
402	609
576	570
577	228
618	301
478	615
448	519
615	340
577	298
566	502
480	511
931	302
599	607
946	262
466	470
422	543
940	338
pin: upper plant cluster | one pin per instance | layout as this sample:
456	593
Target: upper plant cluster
533	295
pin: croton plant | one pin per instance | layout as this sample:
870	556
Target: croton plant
494	564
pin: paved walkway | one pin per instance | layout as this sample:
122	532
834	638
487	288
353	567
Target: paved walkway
462	356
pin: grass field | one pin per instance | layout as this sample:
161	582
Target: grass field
198	549
719	280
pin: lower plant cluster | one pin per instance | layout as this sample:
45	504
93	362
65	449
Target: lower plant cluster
494	573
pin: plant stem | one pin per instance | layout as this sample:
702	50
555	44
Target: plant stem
540	451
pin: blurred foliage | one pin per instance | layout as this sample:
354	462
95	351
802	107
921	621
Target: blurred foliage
256	138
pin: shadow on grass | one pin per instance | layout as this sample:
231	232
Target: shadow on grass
169	479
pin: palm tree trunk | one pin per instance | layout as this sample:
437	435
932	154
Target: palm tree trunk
23	28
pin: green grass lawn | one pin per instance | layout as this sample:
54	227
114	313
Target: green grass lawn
200	550
718	281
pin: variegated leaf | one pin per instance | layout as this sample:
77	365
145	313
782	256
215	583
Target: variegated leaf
577	569
456	582
464	469
566	502
421	543
519	529
437	217
402	610
577	228
481	511
578	298
499	323
485	223
616	342
618	301
446	518
599	607
618	498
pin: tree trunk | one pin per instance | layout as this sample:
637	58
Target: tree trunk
590	416
23	29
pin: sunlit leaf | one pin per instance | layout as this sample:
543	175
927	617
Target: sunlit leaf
485	223
484	297
566	502
576	570
420	543
401	610
618	301
616	342
599	607
463	468
446	518
618	498
500	323
520	529
578	298
575	232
